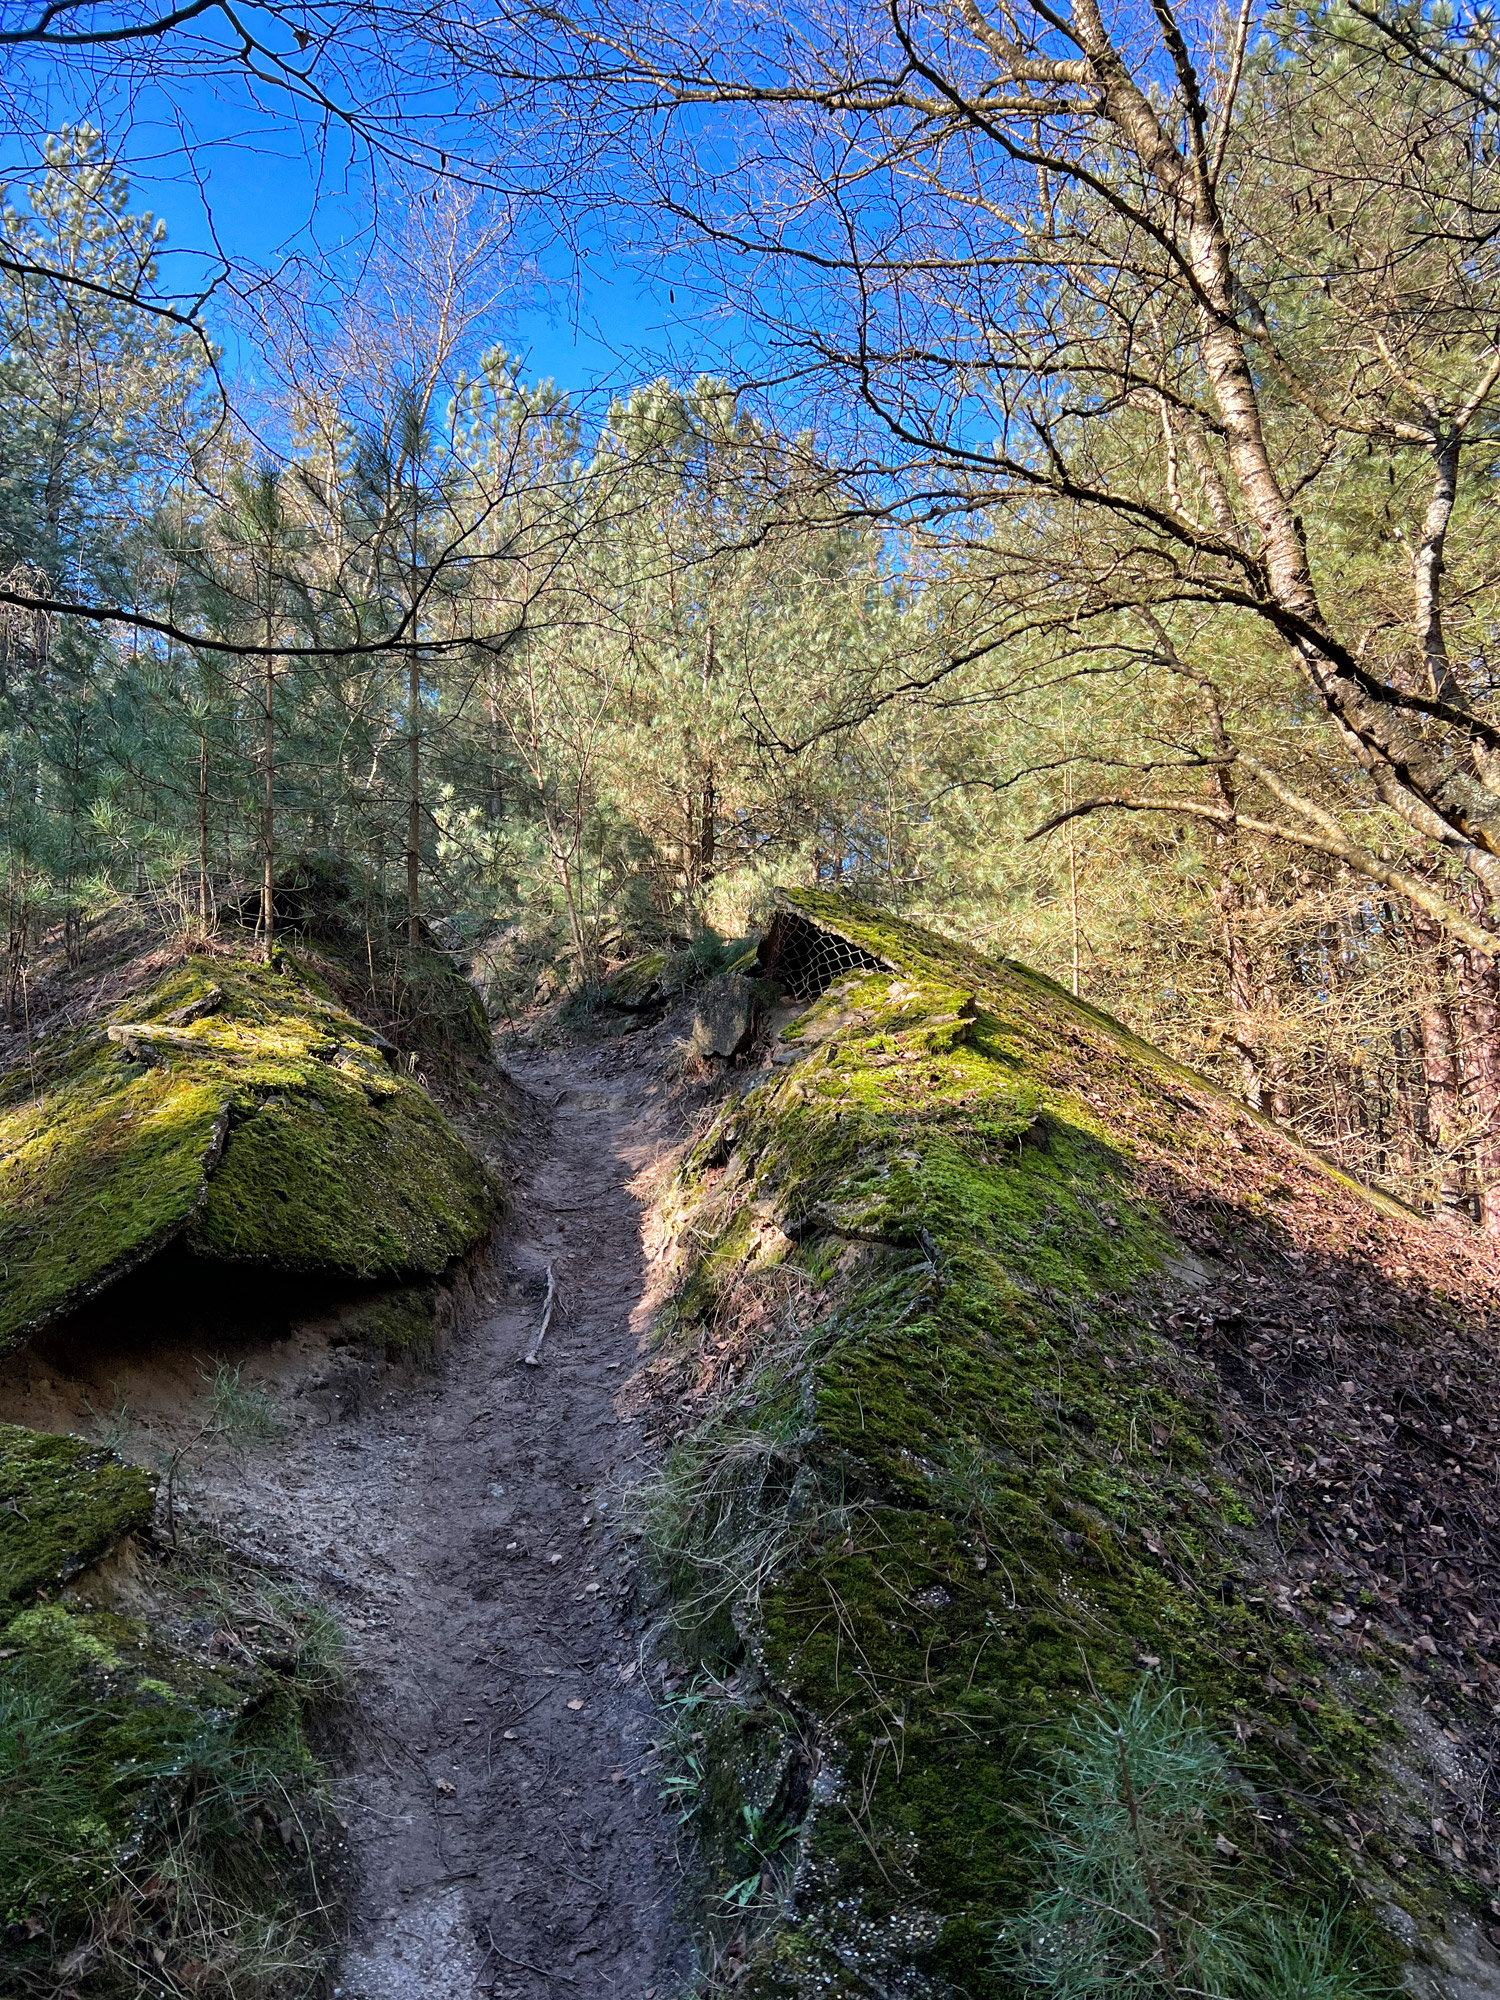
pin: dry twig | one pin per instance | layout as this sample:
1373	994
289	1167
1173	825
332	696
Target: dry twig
541	1332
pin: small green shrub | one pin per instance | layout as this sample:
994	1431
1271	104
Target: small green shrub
1145	1893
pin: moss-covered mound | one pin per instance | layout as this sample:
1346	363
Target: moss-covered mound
147	1752
1087	1540
102	1161
649	984
63	1505
236	1107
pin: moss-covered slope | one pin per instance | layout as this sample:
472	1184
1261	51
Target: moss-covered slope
1043	1391
102	1161
63	1505
145	1752
240	1108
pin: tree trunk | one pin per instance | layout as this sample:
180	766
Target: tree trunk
709	805
1433	796
568	881
1440	1076
414	803
1481	1066
72	918
496	800
1276	1096
1072	877
706	834
268	813
203	895
1229	902
14	956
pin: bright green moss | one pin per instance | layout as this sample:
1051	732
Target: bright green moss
63	1505
146	1747
235	1104
1076	1050
102	1161
978	1489
336	1174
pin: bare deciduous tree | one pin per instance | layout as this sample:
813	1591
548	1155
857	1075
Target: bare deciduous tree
1140	304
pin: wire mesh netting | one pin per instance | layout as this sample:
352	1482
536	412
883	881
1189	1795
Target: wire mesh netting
805	959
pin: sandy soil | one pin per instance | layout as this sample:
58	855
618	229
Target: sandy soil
470	1528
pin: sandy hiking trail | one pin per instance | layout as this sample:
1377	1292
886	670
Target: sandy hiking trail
507	1832
505	1835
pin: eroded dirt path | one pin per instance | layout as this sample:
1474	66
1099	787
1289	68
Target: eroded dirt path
505	1832
505	1837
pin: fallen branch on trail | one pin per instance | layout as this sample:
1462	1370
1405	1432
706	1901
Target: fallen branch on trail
541	1332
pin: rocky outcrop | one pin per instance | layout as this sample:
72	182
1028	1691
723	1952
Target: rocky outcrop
648	985
236	1109
725	1014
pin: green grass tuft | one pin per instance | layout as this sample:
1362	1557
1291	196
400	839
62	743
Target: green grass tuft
162	1815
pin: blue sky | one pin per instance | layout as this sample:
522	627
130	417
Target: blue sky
229	176
602	322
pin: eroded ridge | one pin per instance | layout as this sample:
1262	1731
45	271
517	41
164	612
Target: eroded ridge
1067	1437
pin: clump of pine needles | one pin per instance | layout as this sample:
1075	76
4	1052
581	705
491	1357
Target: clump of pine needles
1145	1893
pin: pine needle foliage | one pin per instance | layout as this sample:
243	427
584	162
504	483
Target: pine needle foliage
1144	1892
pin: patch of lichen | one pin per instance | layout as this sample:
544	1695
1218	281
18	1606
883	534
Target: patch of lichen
1000	1488
113	1142
63	1505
